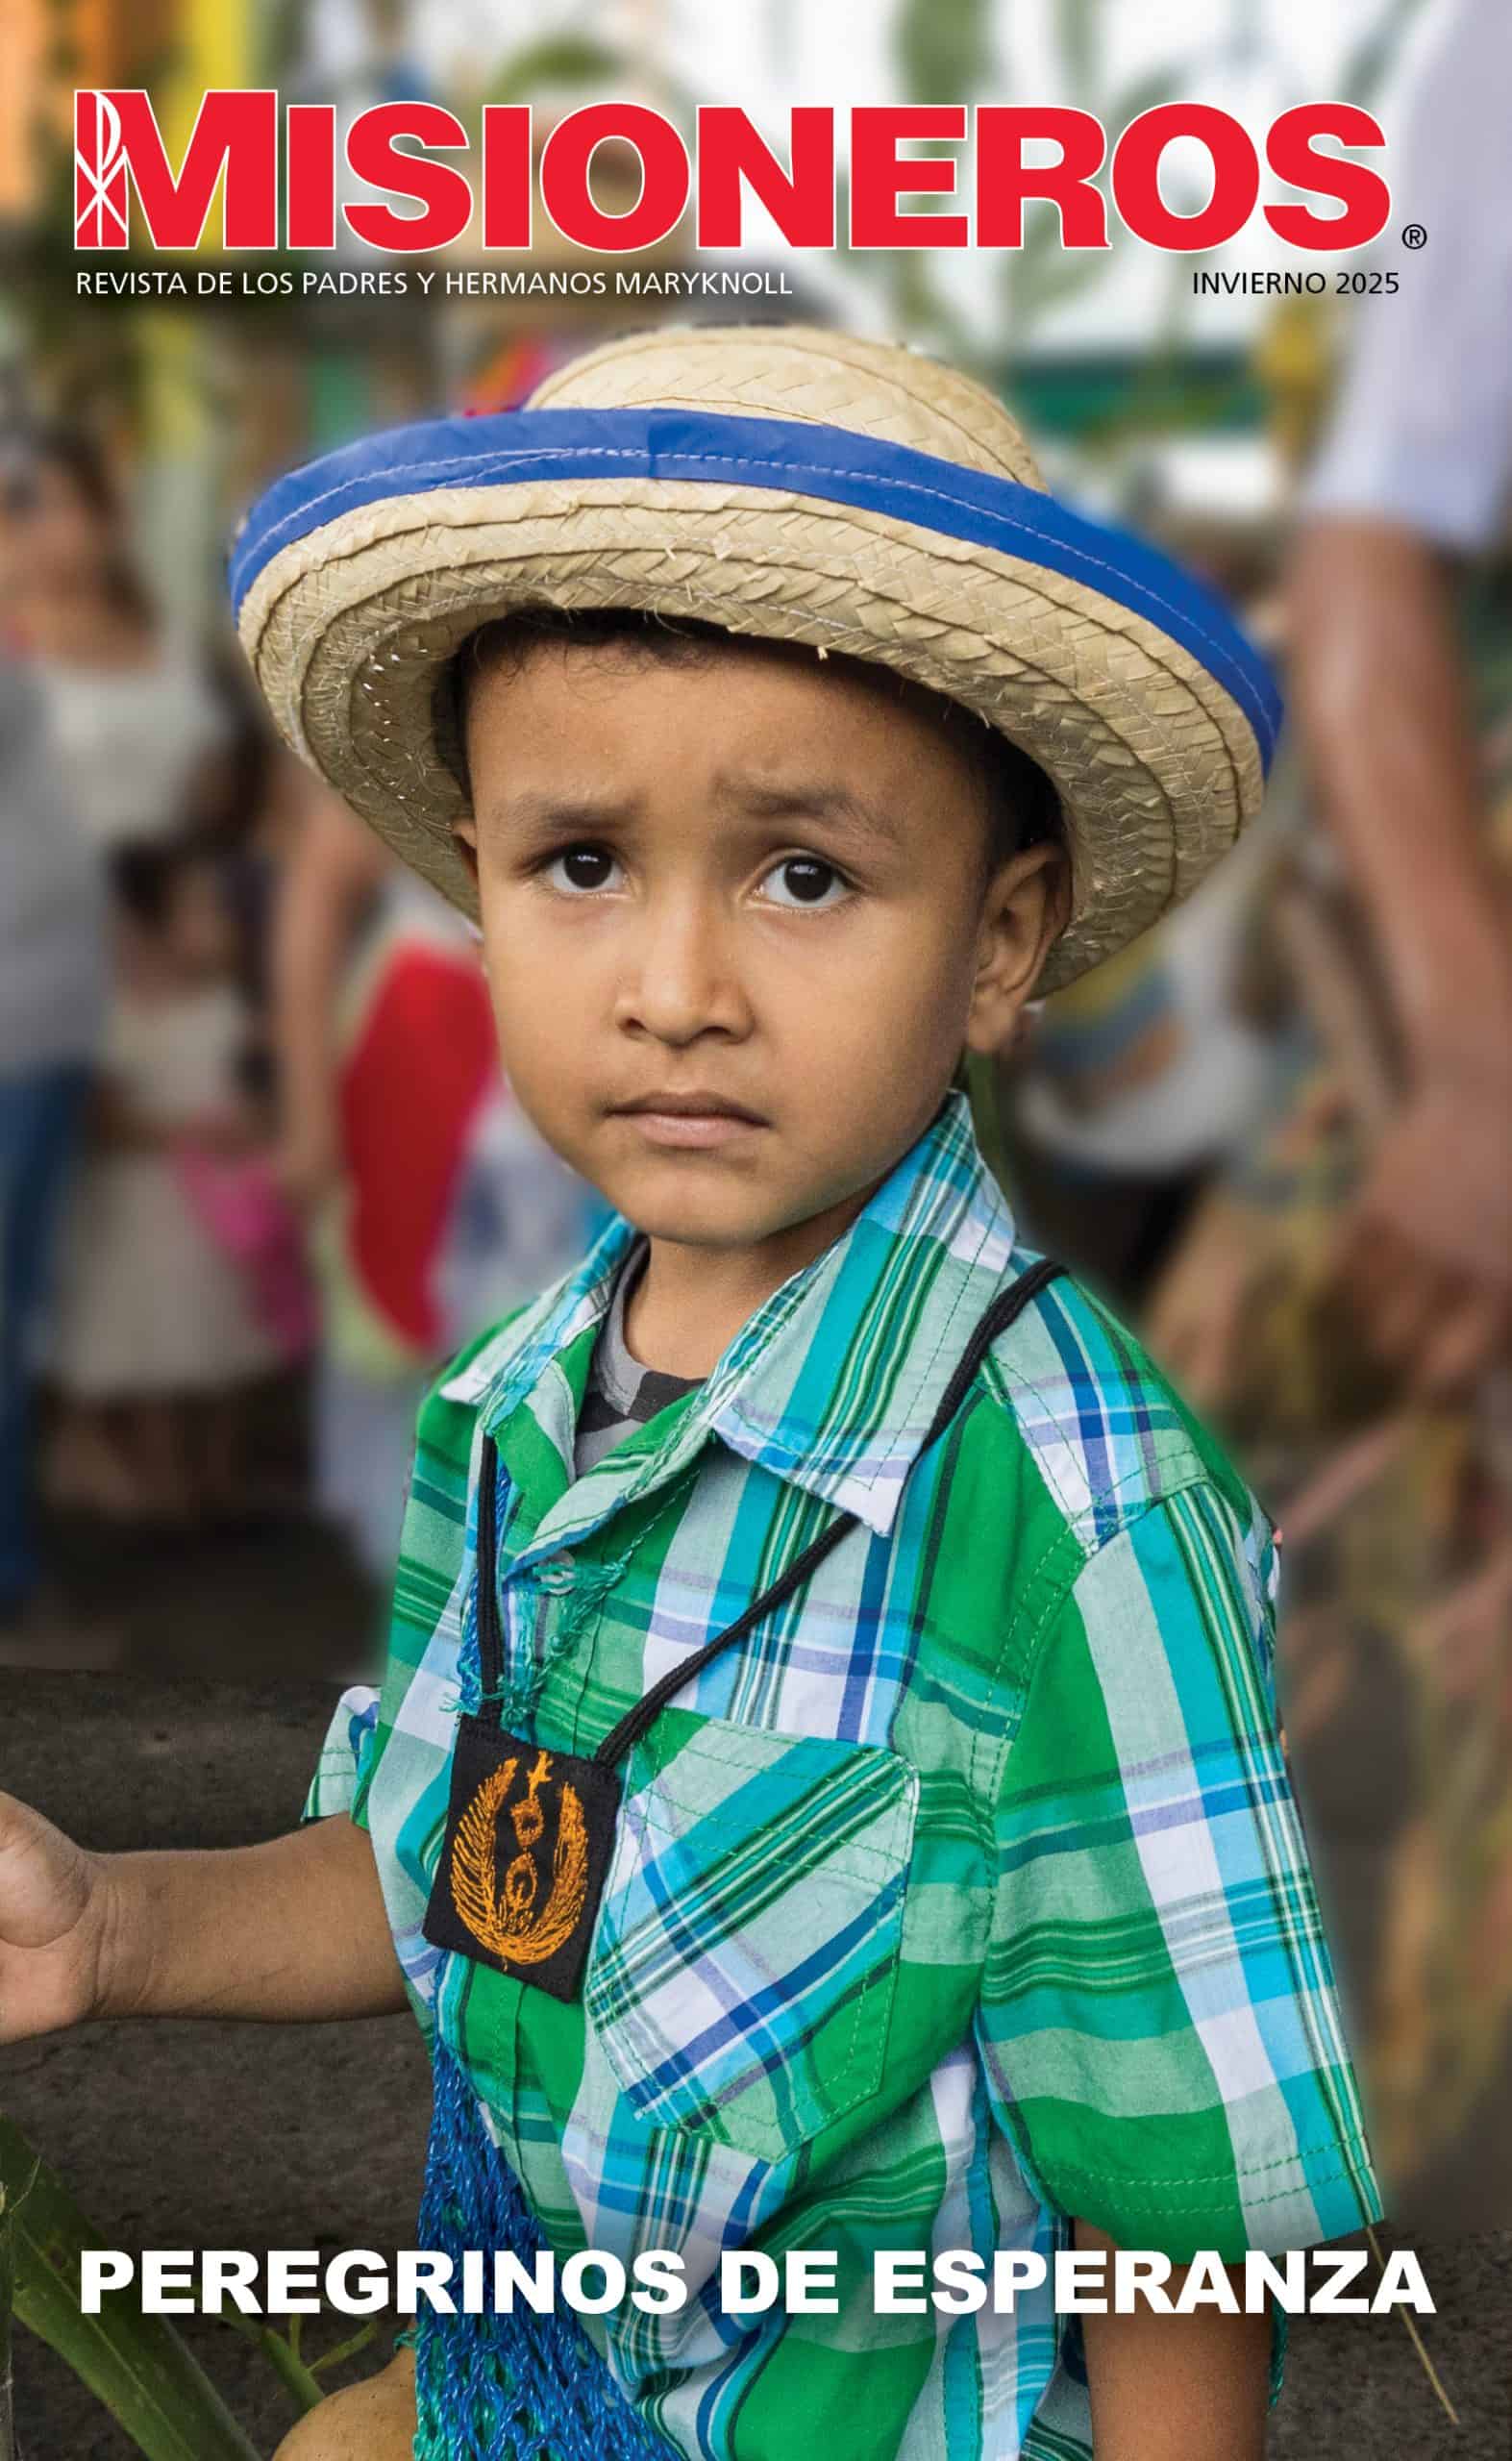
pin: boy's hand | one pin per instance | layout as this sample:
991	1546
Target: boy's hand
54	1926
290	1930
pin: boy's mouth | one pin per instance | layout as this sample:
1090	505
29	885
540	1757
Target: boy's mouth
689	1119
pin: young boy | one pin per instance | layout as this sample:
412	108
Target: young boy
956	1900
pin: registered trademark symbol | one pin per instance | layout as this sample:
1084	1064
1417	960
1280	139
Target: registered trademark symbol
1414	236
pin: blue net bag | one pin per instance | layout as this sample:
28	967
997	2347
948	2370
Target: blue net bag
504	2388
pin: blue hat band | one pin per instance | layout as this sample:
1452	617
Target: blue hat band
828	464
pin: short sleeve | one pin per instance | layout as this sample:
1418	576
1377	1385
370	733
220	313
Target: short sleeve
339	1781
1158	2020
1423	430
362	1728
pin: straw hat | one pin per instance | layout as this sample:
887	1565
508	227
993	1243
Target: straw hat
779	481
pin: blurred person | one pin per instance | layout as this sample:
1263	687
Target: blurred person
138	724
1345	1301
149	747
160	1329
1129	1090
1414	481
432	1200
52	1000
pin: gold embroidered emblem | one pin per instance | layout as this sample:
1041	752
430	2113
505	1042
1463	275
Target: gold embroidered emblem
507	1920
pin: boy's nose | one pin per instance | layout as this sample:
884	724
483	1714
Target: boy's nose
684	983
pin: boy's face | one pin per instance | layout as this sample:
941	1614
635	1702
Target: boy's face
735	925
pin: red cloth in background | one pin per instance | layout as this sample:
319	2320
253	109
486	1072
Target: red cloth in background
421	1065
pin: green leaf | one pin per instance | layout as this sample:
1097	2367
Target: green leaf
135	2363
1366	68
1041	274
1057	280
344	2351
1076	28
943	49
1142	94
561	60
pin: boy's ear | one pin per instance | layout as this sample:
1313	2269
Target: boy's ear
464	836
1025	909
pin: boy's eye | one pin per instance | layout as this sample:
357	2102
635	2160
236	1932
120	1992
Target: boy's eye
581	869
805	881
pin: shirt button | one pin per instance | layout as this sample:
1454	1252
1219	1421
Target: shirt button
556	1572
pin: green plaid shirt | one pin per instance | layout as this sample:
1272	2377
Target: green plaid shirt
968	1894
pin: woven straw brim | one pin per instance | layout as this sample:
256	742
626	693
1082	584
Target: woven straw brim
350	629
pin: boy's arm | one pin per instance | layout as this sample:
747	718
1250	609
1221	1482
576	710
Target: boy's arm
1176	2388
295	1929
1159	2024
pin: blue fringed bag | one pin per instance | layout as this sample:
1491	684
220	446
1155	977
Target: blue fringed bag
502	2388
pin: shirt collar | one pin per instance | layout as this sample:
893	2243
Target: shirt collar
832	1383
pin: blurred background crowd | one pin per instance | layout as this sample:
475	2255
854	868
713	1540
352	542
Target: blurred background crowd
257	1170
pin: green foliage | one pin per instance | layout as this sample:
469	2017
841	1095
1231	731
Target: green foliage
1076	45
1370	63
1041	274
135	2363
944	52
279	36
943	49
560	60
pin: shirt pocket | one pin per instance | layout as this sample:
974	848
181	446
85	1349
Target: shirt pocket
743	1969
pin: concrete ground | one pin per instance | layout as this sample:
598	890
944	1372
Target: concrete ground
210	2134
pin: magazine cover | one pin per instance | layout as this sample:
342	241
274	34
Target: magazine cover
756	1231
